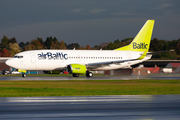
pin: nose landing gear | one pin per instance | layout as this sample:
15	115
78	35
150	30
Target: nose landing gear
24	75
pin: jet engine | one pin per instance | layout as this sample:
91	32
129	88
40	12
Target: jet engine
76	69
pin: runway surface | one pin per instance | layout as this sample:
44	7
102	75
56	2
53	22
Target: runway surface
129	107
169	77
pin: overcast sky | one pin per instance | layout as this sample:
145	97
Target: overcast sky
87	21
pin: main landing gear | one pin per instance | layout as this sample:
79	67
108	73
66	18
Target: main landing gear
88	74
24	75
75	75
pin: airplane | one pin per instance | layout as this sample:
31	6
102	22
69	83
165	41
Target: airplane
78	62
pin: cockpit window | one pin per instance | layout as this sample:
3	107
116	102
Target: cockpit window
18	56
15	57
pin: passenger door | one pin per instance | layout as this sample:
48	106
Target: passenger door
33	57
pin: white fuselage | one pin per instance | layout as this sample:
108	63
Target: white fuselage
59	59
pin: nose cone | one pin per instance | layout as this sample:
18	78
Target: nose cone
9	62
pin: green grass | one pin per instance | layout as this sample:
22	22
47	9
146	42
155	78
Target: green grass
88	87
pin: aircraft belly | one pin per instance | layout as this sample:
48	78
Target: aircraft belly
53	65
45	65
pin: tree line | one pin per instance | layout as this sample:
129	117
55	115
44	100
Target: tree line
9	46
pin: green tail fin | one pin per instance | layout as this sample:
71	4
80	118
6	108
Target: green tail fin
142	40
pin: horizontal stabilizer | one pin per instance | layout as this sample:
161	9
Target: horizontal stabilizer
152	53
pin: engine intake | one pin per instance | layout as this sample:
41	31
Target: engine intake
76	69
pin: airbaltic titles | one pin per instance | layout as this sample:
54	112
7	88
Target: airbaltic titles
50	56
139	46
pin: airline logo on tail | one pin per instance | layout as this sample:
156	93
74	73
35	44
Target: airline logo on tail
140	45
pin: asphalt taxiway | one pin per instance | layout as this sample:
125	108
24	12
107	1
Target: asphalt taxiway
164	77
134	107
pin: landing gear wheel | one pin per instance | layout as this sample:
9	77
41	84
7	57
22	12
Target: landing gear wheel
75	75
89	74
24	75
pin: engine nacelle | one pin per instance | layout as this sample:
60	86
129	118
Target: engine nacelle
76	69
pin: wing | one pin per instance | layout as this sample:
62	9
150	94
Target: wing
100	64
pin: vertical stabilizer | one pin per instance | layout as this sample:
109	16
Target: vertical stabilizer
142	40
